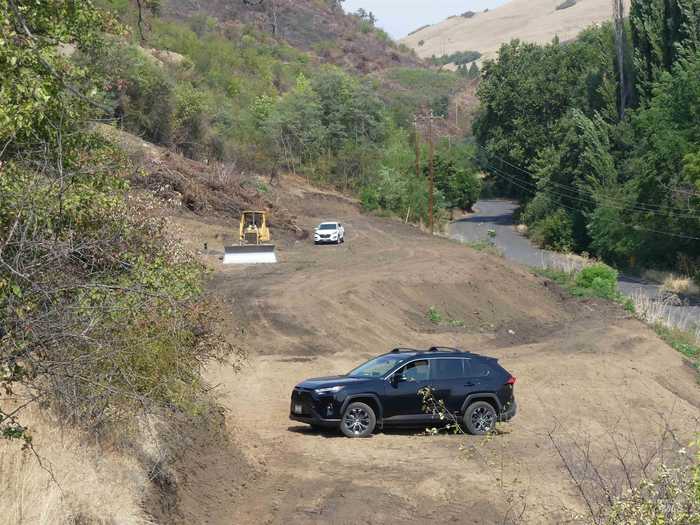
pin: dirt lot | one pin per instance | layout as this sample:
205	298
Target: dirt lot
586	373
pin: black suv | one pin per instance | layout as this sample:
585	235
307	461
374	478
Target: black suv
384	392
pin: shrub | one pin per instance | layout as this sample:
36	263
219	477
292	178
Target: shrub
434	315
555	231
598	279
369	198
366	26
566	4
140	90
671	497
419	29
537	209
383	36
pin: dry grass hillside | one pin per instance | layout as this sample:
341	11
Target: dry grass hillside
536	21
310	25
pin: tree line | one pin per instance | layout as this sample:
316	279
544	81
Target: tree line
615	176
240	95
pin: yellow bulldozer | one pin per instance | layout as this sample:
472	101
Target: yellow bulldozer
254	241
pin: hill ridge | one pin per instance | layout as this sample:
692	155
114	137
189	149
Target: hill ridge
537	21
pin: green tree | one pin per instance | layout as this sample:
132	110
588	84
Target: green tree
552	79
459	185
296	124
101	312
351	109
663	31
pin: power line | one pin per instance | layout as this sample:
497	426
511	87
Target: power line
680	190
576	195
615	203
633	226
638	207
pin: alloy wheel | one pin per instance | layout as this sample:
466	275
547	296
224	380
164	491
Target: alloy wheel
483	419
356	420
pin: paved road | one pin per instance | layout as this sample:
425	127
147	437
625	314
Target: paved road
497	214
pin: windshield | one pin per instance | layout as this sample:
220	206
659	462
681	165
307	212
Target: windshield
328	226
379	366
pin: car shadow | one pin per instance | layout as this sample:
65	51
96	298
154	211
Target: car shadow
331	433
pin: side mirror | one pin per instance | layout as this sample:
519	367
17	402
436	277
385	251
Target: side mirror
398	378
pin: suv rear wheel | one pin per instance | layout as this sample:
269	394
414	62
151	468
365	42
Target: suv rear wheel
480	418
358	420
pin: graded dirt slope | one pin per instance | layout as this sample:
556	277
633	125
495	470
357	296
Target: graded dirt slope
587	373
535	21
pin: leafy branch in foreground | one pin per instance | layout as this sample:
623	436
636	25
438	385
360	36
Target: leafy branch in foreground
621	481
101	311
436	408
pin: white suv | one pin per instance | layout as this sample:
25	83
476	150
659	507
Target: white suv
329	232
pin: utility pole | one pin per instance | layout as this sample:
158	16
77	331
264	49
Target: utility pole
415	125
619	26
431	164
431	171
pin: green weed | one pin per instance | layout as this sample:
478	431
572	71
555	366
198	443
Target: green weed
434	315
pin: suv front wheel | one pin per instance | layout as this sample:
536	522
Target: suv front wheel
480	418
358	420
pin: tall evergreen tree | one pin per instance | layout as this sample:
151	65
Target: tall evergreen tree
662	32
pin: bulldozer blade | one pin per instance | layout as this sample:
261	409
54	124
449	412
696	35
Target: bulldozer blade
250	254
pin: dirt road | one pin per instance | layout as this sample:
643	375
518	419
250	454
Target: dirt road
585	373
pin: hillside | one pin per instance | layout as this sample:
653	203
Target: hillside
537	21
142	381
320	27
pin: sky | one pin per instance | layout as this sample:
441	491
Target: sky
400	17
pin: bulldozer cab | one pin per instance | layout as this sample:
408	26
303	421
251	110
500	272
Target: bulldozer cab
253	219
253	229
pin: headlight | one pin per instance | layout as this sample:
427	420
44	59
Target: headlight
330	390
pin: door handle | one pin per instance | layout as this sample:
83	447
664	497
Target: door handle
470	383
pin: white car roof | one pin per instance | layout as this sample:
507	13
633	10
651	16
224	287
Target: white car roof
329	222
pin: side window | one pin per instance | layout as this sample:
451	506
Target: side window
479	369
467	364
446	369
417	370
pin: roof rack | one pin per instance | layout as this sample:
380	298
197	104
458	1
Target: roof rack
399	349
446	349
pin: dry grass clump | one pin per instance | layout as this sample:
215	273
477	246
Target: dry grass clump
674	283
568	263
660	312
89	485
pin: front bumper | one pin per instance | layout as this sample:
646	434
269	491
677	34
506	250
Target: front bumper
321	240
316	420
321	410
509	412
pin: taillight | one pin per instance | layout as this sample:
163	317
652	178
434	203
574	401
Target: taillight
511	380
